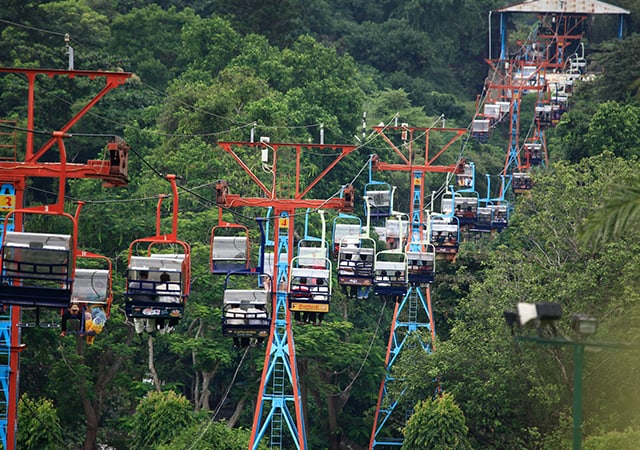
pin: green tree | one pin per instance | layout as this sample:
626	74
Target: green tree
437	424
39	425
204	435
159	417
614	127
153	52
614	440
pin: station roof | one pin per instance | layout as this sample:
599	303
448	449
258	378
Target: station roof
564	6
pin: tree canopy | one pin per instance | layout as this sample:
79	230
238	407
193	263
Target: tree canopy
208	71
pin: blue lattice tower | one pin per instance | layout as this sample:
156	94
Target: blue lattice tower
280	389
5	346
7	202
411	316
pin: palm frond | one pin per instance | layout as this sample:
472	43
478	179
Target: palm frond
618	214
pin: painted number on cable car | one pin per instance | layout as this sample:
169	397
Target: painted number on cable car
7	202
283	222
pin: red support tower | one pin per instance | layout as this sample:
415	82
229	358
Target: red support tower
15	172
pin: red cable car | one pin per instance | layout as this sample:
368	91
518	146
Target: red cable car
158	275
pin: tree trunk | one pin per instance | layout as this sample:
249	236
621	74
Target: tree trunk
202	397
107	369
236	413
152	366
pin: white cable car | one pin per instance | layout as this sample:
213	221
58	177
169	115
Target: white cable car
156	286
379	199
345	226
391	274
246	306
37	269
309	289
421	263
230	248
356	261
445	235
521	183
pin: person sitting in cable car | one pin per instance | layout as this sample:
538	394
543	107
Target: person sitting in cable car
73	312
142	290
320	294
236	315
345	266
257	317
167	292
392	243
94	321
450	240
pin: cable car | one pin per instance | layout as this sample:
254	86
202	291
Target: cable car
500	216
521	183
480	130
391	274
445	235
379	200
92	296
396	231
159	274
421	263
544	114
346	228
484	220
313	251
492	112
92	285
230	247
378	196
356	261
309	289
466	179
246	307
38	268
354	253
533	153
464	208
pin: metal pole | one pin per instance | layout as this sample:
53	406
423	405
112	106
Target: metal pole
578	363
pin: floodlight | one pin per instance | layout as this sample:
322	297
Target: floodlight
541	312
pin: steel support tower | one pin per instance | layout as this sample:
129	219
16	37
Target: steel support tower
16	168
547	64
278	413
414	312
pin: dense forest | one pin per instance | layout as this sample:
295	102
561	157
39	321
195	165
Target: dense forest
206	71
